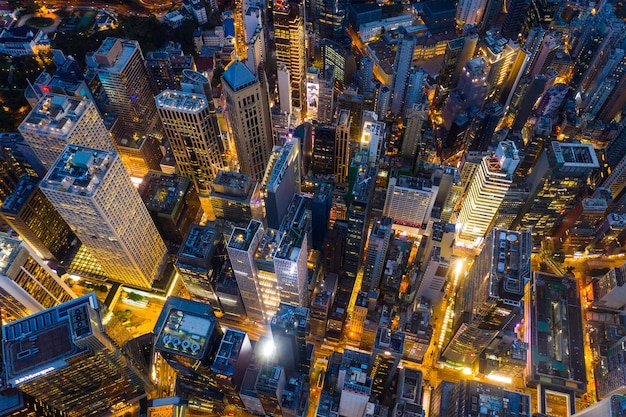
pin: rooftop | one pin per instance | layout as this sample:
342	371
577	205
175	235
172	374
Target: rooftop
184	327
199	244
232	183
280	160
575	154
242	238
228	352
510	262
269	378
121	50
389	340
14	202
290	319
181	101
163	193
55	114
79	170
295	225
238	76
9	248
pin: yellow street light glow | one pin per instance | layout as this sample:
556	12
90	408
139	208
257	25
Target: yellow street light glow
467	371
500	378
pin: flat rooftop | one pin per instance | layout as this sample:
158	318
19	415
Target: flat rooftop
279	162
242	238
79	170
9	248
14	202
55	115
268	247
163	193
198	245
389	340
510	263
180	101
575	154
128	48
184	327
228	352
290	318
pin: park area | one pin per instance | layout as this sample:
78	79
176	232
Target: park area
79	20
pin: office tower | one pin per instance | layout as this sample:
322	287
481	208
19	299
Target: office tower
352	101
436	262
59	120
473	82
469	395
559	176
324	150
235	197
410	200
493	292
611	406
94	194
529	97
127	83
281	181
167	65
312	92
609	289
269	387
248	114
512	25
73	359
172	203
487	189
362	185
458	52
412	134
228	294
386	354
354	383
28	284
469	12
326	104
290	46
242	247
283	83
187	338
199	261
341	59
366	76
550	293
29	213
410	385
372	137
290	257
342	146
376	252
506	63
544	55
415	89
289	326
616	99
232	359
485	126
333	19
321	205
490	14
191	127
418	331
401	67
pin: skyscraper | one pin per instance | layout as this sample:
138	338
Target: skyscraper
376	253
248	114
491	296
290	326
289	39
487	189
125	79
236	198
281	181
27	284
94	194
190	124
410	200
29	212
70	357
401	67
59	120
470	12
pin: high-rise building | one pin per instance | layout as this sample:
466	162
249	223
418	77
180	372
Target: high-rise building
125	79
487	190
491	296
458	52
28	284
401	67
29	213
59	120
281	181
386	355
352	101
73	359
506	61
249	117
232	359
376	252
94	194
512	25
188	338
436	262
410	200
469	395
199	261
354	383
289	39
290	326
342	142
470	12
372	137
191	127
172	202
324	150
236	198
611	406
321	205
269	385
333	19
167	65
473	82
341	59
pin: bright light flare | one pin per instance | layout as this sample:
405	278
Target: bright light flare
467	371
268	348
500	378
458	268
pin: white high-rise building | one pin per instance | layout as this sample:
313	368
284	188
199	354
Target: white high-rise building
410	200
470	12
59	120
372	137
94	194
487	189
